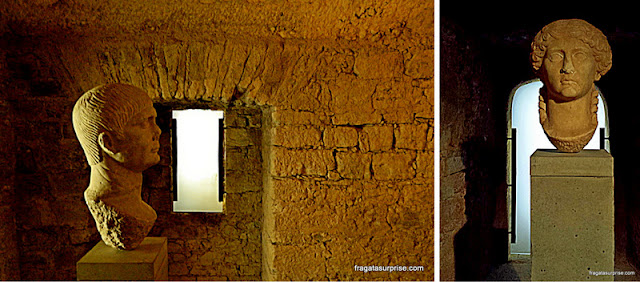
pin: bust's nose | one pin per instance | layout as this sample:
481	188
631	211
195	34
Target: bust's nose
567	65
156	132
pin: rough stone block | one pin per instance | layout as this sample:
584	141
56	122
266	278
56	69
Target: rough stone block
420	65
395	101
424	104
424	164
148	262
297	136
376	138
572	215
389	166
302	162
453	184
350	102
455	207
300	262
410	136
378	65
291	117
353	165
238	137
290	190
342	136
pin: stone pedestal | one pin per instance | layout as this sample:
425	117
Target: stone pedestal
147	262
572	215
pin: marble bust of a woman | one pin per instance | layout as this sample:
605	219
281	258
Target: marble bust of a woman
569	56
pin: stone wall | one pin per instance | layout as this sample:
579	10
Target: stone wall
473	223
52	225
351	178
330	157
9	266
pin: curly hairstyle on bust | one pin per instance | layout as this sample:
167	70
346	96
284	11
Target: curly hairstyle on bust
572	28
106	108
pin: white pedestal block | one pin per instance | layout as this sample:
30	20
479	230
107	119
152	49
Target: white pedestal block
147	262
572	215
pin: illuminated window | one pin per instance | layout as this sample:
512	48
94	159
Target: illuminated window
197	160
524	136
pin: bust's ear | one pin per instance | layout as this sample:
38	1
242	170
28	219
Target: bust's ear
106	142
598	76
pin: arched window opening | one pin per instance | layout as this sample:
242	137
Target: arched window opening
524	136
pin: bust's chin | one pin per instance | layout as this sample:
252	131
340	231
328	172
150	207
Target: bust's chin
140	166
566	95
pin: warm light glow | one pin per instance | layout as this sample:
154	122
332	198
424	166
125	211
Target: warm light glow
530	137
197	160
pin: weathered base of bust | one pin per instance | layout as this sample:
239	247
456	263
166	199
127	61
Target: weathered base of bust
124	232
146	263
571	144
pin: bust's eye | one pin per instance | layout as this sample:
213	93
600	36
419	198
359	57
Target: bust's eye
579	56
555	56
140	122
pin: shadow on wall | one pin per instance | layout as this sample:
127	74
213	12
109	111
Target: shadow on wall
482	242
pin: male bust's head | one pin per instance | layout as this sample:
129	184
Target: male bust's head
568	56
117	121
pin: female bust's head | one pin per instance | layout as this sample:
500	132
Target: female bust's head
568	56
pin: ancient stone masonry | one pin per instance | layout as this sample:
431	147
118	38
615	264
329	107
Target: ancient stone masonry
51	224
329	131
9	266
361	168
470	172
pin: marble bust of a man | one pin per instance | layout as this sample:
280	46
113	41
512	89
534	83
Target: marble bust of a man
116	127
569	56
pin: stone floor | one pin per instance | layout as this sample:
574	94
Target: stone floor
519	269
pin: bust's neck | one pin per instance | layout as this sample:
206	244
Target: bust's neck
571	118
110	179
